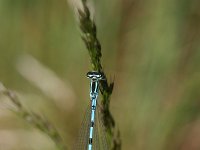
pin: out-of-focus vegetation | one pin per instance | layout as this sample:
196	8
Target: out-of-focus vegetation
151	47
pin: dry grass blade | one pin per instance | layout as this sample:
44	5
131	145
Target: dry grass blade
33	118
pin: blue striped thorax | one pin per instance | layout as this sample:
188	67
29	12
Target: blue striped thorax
94	84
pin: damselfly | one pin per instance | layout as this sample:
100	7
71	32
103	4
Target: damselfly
92	134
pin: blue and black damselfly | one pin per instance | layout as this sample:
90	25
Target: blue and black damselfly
92	135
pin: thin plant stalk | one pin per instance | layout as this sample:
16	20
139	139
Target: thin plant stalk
89	36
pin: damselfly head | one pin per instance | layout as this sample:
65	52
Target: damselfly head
94	75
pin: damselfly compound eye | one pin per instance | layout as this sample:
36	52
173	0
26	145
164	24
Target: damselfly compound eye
95	75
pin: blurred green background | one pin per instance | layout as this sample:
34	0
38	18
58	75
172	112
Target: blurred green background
150	47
